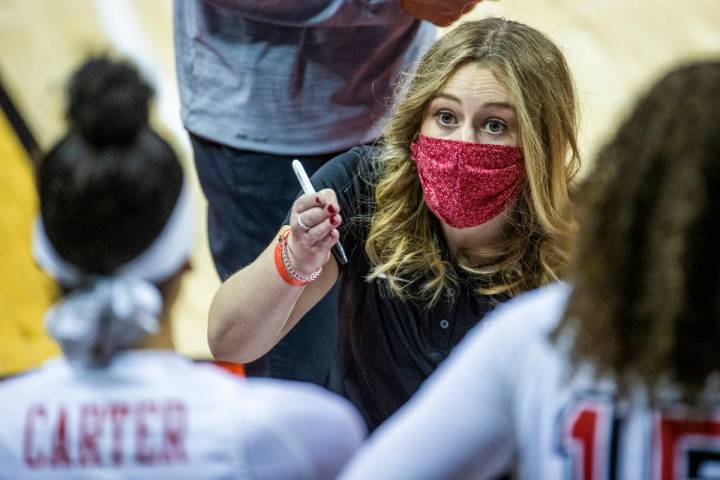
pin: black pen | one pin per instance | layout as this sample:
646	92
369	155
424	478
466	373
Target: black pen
337	250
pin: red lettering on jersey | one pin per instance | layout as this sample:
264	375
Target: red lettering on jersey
174	427
677	437
99	434
91	428
118	414
34	458
583	431
60	454
586	433
143	453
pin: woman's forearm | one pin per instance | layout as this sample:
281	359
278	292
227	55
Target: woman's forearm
254	309
250	310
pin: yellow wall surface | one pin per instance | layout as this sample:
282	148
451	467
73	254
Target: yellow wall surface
615	49
41	42
25	292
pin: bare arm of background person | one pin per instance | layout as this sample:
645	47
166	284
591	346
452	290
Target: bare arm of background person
318	13
440	12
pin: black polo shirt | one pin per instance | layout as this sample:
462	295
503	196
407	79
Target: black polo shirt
387	346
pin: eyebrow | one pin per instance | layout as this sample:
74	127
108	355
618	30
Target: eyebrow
488	104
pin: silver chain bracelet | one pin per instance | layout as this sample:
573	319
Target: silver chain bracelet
285	252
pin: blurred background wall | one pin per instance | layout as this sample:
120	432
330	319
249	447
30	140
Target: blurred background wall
615	49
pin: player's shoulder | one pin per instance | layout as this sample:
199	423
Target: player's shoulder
545	301
311	430
283	407
294	398
530	314
51	371
207	376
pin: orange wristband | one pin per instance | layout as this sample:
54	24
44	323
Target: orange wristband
285	268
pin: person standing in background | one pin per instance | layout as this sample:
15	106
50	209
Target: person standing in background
263	84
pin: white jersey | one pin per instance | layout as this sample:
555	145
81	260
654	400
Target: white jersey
155	415
504	401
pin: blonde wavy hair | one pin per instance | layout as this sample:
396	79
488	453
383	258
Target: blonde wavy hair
404	237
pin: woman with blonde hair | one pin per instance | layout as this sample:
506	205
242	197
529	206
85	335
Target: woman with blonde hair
463	204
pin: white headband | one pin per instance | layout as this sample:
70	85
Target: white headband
111	312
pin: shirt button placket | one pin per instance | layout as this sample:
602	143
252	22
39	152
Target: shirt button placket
450	295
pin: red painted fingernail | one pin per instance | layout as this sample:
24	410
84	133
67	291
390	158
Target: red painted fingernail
333	221
331	209
317	200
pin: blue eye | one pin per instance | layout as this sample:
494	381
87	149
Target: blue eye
445	118
494	126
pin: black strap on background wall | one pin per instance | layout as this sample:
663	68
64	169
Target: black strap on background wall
21	129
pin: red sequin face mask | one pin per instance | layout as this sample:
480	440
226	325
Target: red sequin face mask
466	184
